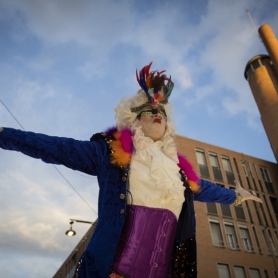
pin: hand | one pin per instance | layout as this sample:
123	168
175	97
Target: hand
245	194
1	128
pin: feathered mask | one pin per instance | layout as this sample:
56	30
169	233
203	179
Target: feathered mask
153	85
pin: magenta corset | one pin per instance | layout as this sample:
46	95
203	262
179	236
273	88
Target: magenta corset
146	243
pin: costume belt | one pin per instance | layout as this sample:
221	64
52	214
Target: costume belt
146	243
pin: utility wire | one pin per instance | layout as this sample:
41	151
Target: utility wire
67	181
73	188
12	114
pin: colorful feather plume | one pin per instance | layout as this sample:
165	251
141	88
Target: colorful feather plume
152	84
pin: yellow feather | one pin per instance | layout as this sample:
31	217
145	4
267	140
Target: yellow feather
119	157
194	186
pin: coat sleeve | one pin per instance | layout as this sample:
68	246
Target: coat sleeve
84	156
213	193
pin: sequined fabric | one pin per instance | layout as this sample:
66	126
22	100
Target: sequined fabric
184	259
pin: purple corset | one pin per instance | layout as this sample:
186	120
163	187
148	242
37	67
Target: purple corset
146	243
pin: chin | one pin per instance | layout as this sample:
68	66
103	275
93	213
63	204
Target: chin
156	137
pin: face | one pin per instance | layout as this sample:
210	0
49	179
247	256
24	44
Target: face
153	125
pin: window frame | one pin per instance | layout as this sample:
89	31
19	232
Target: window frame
227	166
203	168
216	169
220	242
246	242
233	236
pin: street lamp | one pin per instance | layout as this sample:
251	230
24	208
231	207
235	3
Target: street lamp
71	232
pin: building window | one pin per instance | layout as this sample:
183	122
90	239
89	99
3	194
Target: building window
240	212
231	235
216	234
254	273
223	270
246	240
267	180
249	185
226	210
249	212
244	169
250	169
269	212
258	212
211	207
249	173
257	174
260	183
263	212
273	202
276	233
273	247
244	163
215	166
257	241
239	177
202	162
266	241
228	169
239	272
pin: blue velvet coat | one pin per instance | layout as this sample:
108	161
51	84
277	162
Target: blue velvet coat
93	158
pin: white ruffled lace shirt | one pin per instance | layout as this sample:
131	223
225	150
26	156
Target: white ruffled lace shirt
154	179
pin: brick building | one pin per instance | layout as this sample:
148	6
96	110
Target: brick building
237	241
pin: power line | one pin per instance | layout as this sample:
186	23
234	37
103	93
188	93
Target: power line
12	114
73	187
67	181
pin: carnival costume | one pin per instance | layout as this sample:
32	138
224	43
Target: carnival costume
146	222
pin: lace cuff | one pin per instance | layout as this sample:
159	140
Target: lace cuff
238	199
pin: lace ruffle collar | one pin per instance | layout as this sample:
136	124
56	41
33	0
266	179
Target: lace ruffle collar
121	146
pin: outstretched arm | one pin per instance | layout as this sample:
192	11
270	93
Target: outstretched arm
213	193
210	192
84	156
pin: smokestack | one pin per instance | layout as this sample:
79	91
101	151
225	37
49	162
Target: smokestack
261	72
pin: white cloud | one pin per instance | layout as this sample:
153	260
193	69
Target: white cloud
72	21
183	77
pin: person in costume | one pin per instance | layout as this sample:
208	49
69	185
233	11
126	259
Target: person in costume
146	224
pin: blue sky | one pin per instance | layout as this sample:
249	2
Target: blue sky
65	64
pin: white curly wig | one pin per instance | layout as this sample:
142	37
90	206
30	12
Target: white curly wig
125	119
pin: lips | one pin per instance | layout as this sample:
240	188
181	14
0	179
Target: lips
157	121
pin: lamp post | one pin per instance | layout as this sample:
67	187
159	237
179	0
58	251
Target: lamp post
71	232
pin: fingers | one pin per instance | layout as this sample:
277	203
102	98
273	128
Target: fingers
245	194
254	198
251	197
238	186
